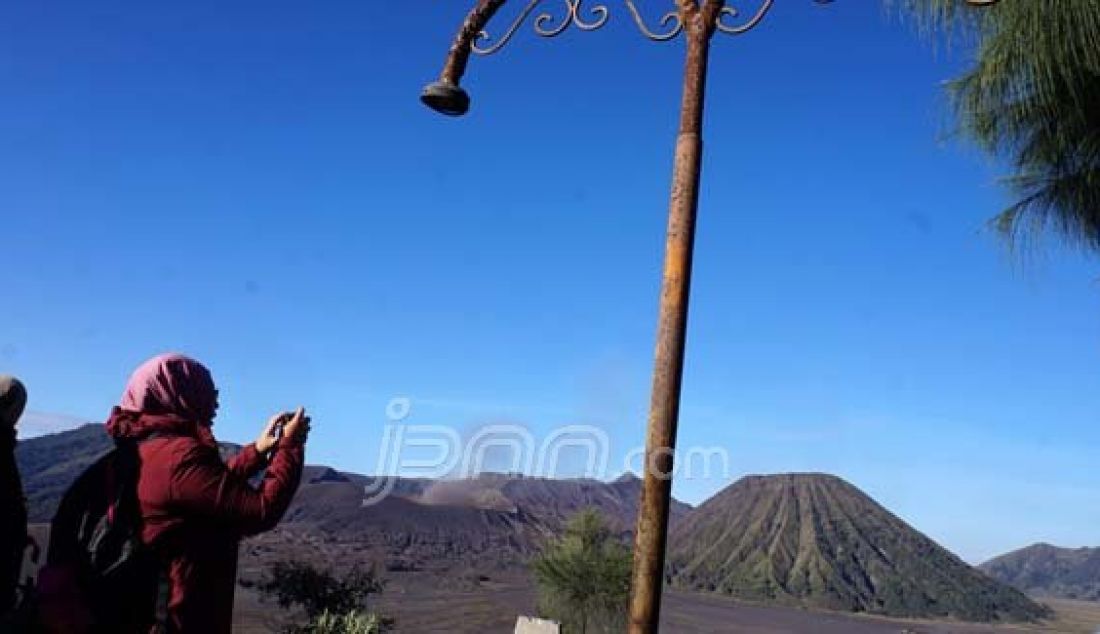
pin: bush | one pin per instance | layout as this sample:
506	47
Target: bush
350	623
332	605
584	577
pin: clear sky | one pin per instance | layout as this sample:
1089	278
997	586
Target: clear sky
256	184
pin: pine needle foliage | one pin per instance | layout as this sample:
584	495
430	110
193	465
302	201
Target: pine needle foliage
1032	98
332	605
584	577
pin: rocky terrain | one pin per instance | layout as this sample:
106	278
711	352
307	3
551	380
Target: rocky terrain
1049	571
458	530
815	540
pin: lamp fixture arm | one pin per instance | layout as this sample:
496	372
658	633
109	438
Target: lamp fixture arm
711	16
473	28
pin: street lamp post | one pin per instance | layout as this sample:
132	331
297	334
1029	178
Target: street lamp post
698	23
698	20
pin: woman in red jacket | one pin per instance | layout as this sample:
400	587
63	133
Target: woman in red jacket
194	507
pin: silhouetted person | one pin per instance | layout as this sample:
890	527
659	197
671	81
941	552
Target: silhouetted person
13	508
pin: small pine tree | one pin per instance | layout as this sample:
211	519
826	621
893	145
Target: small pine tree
332	605
584	577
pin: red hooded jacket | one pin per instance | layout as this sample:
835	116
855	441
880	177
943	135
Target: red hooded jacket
196	509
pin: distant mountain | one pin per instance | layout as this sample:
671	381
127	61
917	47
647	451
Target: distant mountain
488	522
492	520
49	464
35	423
1049	571
816	540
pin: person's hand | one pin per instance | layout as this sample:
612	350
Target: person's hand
298	426
270	435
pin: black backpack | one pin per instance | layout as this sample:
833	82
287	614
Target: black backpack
95	537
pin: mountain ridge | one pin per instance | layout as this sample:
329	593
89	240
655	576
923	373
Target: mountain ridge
1049	571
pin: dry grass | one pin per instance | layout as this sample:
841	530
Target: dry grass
1079	617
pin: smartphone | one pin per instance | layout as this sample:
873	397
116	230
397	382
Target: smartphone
278	431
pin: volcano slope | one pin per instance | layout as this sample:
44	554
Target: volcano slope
817	541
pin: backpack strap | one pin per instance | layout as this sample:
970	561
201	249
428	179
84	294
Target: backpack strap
164	586
109	480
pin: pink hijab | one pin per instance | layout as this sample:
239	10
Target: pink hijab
168	393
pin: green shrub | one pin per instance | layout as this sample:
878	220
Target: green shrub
584	577
350	623
332	605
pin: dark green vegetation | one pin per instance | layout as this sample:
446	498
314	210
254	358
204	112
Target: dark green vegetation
1032	97
1049	571
330	603
583	577
296	583
817	541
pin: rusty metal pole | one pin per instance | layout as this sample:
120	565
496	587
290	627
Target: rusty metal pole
651	534
699	20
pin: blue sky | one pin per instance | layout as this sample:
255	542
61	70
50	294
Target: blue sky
257	185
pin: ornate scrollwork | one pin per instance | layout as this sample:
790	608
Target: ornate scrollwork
728	17
493	47
599	11
547	24
727	21
671	23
